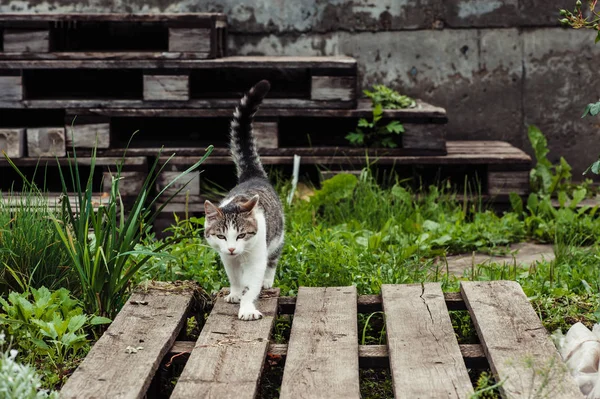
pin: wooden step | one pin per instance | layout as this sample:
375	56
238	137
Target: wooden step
136	341
323	357
213	369
113	36
297	82
518	347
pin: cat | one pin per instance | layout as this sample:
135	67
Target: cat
247	226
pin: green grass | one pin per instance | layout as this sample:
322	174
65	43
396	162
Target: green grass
31	252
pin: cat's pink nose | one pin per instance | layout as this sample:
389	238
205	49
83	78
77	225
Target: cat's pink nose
232	250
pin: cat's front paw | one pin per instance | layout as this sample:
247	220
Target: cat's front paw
267	284
249	314
232	298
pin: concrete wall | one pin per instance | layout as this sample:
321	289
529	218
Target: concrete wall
495	65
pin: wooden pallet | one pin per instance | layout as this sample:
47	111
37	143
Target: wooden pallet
323	355
503	168
274	129
297	82
113	36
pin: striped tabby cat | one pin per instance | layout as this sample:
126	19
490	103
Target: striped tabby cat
247	227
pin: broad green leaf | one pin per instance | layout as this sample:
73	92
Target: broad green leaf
96	320
39	343
76	322
597	37
578	196
532	203
516	203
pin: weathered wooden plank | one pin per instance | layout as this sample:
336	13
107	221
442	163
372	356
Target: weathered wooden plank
428	137
230	103
151	319
12	142
190	40
347	64
130	162
425	359
46	142
325	88
26	40
228	358
266	134
105	55
516	343
191	181
166	87
322	359
88	136
130	185
424	112
197	17
11	89
505	183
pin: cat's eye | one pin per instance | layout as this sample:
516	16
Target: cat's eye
220	236
241	236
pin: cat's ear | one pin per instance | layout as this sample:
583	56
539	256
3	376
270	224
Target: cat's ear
250	204
211	210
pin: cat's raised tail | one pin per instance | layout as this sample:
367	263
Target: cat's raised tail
242	144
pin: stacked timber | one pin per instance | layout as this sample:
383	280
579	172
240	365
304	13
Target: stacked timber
78	81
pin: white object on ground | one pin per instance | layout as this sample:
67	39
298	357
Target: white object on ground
580	349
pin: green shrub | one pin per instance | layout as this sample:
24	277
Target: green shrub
100	242
49	328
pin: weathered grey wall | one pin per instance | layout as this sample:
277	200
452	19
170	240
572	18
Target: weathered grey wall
496	65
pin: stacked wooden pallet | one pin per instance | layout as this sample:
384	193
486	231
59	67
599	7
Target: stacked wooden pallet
77	81
323	357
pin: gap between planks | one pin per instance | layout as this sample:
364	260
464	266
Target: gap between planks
372	303
370	356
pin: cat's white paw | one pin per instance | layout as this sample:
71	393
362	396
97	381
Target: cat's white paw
249	314
267	284
232	298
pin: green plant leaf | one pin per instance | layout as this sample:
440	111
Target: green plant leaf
597	37
362	122
97	320
395	127
76	322
591	109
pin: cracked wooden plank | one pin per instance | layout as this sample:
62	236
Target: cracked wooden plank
228	357
516	343
425	358
322	357
149	323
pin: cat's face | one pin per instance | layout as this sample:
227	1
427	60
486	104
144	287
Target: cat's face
231	230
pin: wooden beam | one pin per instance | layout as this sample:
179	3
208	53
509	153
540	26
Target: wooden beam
88	136
11	89
166	87
227	360
46	142
425	358
327	88
521	355
123	361
322	358
26	41
12	142
190	40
